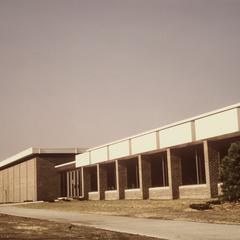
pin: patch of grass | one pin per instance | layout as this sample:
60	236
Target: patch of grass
160	209
20	228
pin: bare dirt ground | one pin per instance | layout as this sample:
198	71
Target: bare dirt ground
20	228
159	209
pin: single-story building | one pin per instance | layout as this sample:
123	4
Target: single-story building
179	160
31	175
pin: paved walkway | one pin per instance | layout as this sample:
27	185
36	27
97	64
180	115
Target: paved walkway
166	229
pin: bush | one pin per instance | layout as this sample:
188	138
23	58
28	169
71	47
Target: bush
230	174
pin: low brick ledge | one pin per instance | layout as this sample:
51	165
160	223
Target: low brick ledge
159	188
132	190
193	186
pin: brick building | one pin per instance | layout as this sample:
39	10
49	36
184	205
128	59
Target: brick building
31	174
180	160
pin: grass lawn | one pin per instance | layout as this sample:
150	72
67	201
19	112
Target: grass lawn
20	228
161	209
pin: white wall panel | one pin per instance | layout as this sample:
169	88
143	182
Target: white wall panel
175	135
217	124
144	143
119	150
99	155
82	159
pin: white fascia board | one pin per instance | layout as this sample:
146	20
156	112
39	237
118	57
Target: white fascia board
65	164
18	156
30	151
59	150
237	105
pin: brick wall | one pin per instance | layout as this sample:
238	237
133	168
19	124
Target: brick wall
194	191
111	195
174	172
102	180
93	196
160	193
211	157
48	179
144	175
133	193
121	174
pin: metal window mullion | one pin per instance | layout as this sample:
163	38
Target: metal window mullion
68	185
197	169
163	171
137	174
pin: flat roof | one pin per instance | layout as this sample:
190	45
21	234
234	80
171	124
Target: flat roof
237	105
31	151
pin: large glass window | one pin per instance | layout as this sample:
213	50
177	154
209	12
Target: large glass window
193	167
93	179
111	176
132	173
63	176
159	170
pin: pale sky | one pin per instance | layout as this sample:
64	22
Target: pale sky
84	73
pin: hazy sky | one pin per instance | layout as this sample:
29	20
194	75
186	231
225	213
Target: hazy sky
83	73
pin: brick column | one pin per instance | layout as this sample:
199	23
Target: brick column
174	172
85	182
102	180
211	160
121	178
144	175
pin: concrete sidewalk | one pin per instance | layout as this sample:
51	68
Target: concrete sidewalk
166	229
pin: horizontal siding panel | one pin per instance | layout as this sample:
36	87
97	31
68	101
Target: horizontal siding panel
217	124
82	159
179	134
119	150
99	155
144	143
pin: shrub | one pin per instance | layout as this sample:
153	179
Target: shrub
230	174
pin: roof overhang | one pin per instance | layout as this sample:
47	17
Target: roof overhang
33	151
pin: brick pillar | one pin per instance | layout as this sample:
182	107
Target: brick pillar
211	160
121	178
174	172
102	180
144	175
85	182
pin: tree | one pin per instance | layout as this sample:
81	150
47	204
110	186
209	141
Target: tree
230	174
